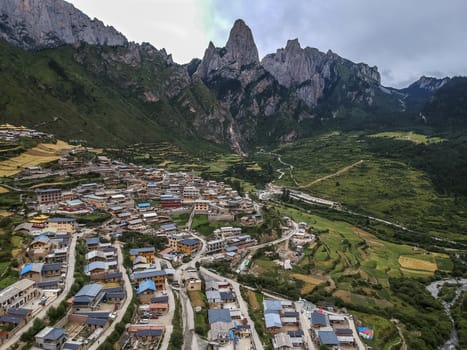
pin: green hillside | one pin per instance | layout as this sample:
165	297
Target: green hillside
50	91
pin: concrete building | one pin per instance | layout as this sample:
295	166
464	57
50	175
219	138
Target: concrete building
51	338
49	196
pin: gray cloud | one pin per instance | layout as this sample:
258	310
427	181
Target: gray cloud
405	39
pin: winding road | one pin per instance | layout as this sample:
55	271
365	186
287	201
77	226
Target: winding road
123	308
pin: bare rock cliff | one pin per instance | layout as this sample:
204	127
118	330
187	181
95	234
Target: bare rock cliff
37	24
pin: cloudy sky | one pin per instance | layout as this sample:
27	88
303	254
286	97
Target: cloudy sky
404	38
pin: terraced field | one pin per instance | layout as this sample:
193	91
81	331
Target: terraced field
42	153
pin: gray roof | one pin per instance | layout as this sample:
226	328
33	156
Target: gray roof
148	332
318	318
54	334
272	320
272	306
51	267
101	322
91	290
328	338
92	241
220	315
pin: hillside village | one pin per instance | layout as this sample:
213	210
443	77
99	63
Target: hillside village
124	251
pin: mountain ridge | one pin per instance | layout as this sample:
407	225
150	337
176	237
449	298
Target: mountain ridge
229	97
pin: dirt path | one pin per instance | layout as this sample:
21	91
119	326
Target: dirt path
337	173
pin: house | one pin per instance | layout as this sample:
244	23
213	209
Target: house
32	271
344	336
188	246
215	246
148	335
327	338
170	201
96	267
220	323
272	306
94	323
158	276
202	206
73	345
282	341
147	252
159	308
213	297
95	201
51	270
273	322
49	196
51	338
96	255
146	291
62	225
113	277
319	319
88	297
190	193
227	297
192	282
93	243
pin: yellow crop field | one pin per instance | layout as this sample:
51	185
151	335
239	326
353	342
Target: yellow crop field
196	298
310	282
417	264
42	153
3	190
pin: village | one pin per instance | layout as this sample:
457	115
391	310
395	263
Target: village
125	250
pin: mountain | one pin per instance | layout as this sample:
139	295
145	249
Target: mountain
38	24
447	108
292	92
62	72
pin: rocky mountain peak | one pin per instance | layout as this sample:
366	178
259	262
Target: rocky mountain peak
429	83
241	47
37	24
293	45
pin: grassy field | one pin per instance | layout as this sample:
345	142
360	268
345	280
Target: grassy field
409	136
384	187
42	153
347	250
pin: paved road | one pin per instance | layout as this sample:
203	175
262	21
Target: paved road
122	310
243	305
305	325
168	327
68	283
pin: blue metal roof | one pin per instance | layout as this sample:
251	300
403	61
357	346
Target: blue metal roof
90	290
146	285
52	267
189	241
26	268
219	315
55	334
40	236
328	338
162	299
95	265
272	320
318	318
92	241
101	322
148	332
10	319
272	306
19	311
144	205
230	249
168	227
148	274
136	251
61	220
